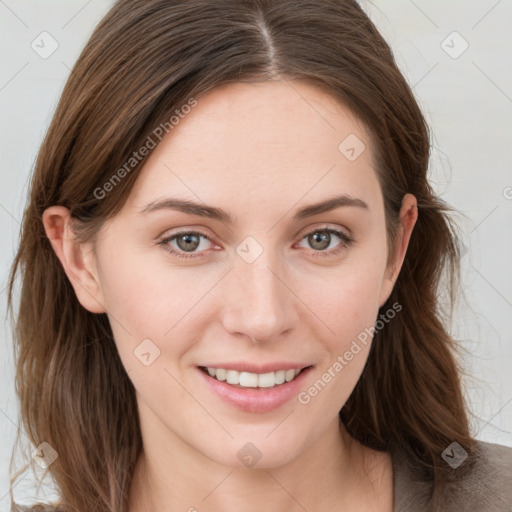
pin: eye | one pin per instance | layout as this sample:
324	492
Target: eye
320	239
187	242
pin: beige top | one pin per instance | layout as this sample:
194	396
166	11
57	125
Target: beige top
487	488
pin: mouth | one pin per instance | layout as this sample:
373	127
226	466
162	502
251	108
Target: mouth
252	392
249	380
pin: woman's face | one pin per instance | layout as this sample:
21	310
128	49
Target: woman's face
258	285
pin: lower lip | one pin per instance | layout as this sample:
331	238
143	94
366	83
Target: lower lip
256	399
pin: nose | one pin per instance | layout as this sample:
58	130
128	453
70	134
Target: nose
258	301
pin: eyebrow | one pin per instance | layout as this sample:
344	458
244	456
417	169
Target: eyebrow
212	212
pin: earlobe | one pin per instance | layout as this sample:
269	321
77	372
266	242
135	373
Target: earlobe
408	217
76	260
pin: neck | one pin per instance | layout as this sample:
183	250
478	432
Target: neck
335	472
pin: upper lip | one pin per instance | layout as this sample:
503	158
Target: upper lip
243	366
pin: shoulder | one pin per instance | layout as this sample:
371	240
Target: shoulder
483	483
487	487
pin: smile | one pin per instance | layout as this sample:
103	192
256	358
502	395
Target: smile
254	388
243	379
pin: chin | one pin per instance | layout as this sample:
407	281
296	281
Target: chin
258	451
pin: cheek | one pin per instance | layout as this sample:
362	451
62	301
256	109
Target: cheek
148	300
346	299
348	304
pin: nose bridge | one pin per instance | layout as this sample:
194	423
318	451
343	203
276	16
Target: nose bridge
260	304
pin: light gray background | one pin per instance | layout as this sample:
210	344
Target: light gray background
467	101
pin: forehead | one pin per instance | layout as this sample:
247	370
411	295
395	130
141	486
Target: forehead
265	142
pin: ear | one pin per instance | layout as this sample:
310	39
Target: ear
408	217
78	260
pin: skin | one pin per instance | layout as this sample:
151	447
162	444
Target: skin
287	305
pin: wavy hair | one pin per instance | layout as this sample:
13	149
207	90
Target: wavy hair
145	60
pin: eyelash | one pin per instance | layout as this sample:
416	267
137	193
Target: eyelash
346	242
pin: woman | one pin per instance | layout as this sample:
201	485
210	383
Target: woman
231	263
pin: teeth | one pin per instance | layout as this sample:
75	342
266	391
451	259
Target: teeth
267	380
248	380
233	377
253	380
280	376
219	373
289	375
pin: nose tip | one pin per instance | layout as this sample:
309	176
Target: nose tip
260	307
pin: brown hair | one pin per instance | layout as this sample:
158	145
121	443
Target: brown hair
145	60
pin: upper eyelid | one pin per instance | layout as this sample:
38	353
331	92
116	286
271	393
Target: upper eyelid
325	227
301	233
